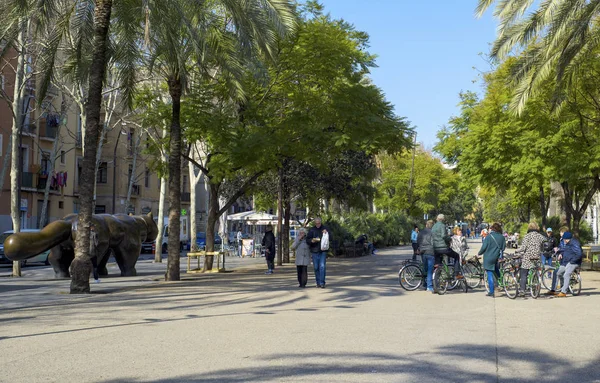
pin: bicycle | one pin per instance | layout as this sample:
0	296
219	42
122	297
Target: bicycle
411	275
574	282
473	272
506	280
444	278
534	276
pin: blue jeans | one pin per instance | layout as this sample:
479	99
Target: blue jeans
546	260
319	262
490	278
428	262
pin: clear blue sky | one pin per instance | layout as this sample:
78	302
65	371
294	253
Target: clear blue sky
426	53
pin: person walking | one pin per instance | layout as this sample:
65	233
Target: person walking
240	238
94	252
532	247
268	243
493	247
413	239
319	255
302	257
425	246
440	246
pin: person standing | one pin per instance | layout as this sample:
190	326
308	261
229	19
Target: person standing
425	246
319	256
440	245
302	257
549	245
458	243
493	247
413	239
532	247
268	243
240	238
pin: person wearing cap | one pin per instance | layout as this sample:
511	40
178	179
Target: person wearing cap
440	245
560	246
570	257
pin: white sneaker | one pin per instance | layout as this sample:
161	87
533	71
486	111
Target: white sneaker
96	281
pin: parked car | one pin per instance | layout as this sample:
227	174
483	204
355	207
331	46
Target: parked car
147	247
201	240
40	258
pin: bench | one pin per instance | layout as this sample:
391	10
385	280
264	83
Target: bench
350	249
592	254
198	254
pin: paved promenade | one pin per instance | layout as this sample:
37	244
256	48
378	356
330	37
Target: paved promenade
245	326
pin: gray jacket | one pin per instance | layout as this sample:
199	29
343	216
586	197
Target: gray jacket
302	252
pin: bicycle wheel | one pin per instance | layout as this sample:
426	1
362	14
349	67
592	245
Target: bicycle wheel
535	286
440	283
451	281
575	284
410	277
510	285
472	275
547	278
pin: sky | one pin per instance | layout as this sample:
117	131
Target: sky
428	52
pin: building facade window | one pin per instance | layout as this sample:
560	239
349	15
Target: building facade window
102	175
100	209
61	205
63	156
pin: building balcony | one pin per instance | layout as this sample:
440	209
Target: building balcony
48	132
29	129
185	197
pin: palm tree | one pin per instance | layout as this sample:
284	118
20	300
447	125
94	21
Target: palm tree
556	36
197	38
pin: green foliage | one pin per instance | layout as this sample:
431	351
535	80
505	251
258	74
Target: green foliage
388	229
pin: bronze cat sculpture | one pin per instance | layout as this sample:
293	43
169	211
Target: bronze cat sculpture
123	234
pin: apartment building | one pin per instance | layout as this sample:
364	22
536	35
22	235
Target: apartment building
39	133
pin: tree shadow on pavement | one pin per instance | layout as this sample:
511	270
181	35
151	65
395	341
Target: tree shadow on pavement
462	363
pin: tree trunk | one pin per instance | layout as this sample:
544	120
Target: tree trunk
55	146
18	117
286	229
135	145
161	209
174	245
193	218
543	207
213	216
81	265
575	224
279	216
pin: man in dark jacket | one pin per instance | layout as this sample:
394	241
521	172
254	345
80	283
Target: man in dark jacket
268	243
549	245
570	258
319	255
425	247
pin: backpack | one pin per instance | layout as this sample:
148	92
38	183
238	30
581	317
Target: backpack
548	245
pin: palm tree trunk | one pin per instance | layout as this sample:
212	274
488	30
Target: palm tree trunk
175	90
18	112
81	265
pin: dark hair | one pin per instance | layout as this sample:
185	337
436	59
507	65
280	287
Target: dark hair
497	227
416	226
